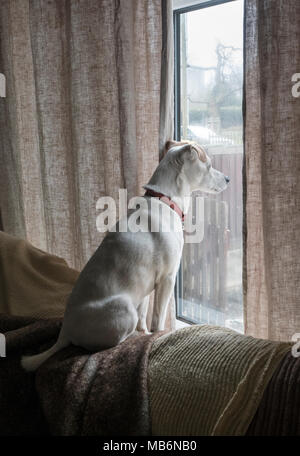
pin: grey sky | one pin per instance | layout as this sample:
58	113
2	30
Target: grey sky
225	20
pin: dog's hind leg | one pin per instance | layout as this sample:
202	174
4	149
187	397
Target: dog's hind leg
103	324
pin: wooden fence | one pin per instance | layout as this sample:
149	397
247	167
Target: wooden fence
231	165
203	291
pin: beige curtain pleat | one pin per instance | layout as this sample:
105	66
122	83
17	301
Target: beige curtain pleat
272	170
166	124
82	114
20	172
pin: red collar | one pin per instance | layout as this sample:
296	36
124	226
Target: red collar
166	200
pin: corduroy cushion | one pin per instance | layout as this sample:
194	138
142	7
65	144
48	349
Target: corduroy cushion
208	380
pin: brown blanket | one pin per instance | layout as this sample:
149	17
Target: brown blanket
74	392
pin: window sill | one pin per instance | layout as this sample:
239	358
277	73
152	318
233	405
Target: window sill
181	324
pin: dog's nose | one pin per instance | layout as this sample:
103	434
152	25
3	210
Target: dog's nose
227	179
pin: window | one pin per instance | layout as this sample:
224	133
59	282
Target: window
208	110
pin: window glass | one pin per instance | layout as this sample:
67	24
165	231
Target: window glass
209	286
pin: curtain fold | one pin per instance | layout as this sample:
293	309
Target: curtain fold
88	107
271	170
81	116
166	125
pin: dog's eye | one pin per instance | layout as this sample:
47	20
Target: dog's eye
208	167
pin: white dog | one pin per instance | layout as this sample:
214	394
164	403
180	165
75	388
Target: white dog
110	298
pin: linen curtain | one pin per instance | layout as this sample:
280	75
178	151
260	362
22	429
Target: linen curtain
81	115
87	109
272	169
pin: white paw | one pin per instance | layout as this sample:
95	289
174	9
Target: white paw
144	331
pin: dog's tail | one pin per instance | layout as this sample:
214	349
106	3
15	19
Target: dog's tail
31	363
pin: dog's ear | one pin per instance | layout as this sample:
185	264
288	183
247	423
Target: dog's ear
200	152
186	151
172	143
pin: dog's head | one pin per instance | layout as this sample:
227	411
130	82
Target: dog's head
195	164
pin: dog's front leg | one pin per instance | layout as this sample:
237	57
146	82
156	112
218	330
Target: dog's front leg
163	293
142	313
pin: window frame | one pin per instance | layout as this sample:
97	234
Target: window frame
177	119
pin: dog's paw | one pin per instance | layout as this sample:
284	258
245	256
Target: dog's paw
158	329
145	331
